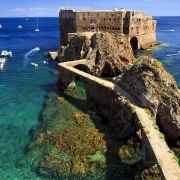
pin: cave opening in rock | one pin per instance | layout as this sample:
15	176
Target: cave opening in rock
83	67
107	70
134	43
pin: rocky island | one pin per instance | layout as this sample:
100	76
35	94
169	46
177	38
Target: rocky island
121	111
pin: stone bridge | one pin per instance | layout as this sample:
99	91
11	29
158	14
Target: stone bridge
122	110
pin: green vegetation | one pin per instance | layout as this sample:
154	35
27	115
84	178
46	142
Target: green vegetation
162	136
133	109
130	153
98	157
68	144
148	112
146	131
155	126
119	94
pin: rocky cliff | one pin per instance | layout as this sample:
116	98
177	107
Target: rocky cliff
107	54
156	89
76	49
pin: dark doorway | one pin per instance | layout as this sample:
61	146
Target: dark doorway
134	43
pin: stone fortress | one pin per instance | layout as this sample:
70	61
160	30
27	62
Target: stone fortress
139	28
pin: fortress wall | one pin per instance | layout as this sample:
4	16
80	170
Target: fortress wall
67	25
146	40
102	21
131	23
141	24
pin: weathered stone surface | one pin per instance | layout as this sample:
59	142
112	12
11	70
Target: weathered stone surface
156	89
151	173
76	49
139	28
53	55
107	54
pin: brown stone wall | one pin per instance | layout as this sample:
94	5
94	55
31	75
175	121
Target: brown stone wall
131	23
100	21
143	27
67	25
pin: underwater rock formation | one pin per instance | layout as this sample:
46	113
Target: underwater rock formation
69	143
157	90
107	54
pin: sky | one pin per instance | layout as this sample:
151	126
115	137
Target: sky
50	8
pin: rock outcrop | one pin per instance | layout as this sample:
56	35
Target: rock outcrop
107	54
76	49
155	89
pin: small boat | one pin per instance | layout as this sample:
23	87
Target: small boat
2	62
45	62
27	19
1	66
34	64
37	28
5	53
0	26
37	49
19	27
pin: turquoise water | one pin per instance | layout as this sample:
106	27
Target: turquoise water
23	88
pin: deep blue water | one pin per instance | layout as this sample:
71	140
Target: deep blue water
168	32
23	88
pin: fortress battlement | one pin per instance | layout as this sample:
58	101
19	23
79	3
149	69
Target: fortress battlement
139	28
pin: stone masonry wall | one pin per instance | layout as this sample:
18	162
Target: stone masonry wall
132	23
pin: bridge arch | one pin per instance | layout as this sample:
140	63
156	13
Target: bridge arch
83	67
134	43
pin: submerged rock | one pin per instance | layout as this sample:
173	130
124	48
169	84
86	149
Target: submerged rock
157	90
151	173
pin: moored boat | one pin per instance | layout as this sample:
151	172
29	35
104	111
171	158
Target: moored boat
34	64
19	27
5	53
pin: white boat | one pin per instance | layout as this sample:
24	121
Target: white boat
1	66
2	62
34	64
19	27
45	62
37	28
0	26
37	49
5	53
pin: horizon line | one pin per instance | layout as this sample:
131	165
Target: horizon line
58	16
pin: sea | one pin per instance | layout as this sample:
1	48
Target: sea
23	88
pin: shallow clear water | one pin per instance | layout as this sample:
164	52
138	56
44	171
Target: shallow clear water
23	88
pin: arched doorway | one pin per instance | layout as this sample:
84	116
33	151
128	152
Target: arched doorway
134	43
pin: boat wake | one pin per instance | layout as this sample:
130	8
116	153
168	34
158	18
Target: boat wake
173	54
170	30
32	51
